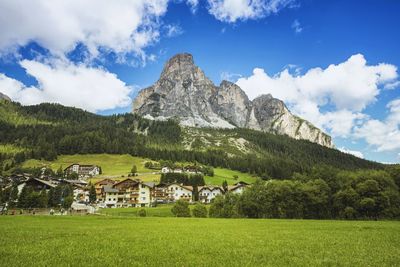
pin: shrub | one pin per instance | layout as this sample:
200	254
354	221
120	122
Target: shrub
199	211
181	209
142	213
225	206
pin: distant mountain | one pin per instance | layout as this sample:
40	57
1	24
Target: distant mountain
3	96
183	92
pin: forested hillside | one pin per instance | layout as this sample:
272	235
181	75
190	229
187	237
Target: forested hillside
47	130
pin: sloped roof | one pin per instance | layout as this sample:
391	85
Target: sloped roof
211	188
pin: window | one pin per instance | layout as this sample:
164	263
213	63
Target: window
143	198
176	188
143	186
109	199
143	193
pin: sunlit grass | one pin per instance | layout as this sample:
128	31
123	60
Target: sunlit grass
130	241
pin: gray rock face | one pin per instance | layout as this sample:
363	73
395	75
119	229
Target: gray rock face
183	92
3	96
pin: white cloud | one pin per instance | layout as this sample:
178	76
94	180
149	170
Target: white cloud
352	152
117	26
63	82
233	10
393	85
296	26
385	135
229	76
346	88
173	30
193	4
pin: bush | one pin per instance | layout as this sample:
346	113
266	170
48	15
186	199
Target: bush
142	213
349	213
181	209
225	206
199	211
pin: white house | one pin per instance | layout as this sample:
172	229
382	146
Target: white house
165	170
177	191
81	194
237	189
83	170
110	196
208	193
145	195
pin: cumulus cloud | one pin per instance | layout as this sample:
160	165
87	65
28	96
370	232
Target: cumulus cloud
59	26
385	135
296	26
234	10
63	82
347	88
352	152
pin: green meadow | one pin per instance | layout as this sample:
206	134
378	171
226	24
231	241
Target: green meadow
221	174
120	165
151	241
113	165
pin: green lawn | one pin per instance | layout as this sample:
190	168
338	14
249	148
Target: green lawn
117	241
159	211
221	174
162	210
113	165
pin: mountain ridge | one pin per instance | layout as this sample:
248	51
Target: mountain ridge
183	92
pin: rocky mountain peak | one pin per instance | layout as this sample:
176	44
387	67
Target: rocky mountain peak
184	92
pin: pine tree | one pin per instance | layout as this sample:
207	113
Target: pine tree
225	185
92	194
24	199
13	196
134	170
43	199
60	172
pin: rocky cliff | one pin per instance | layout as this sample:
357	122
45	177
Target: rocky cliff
183	92
3	96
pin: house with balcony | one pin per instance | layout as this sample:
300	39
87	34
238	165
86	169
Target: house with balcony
177	191
110	196
99	187
208	193
82	170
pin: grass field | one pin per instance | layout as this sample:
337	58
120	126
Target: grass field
159	211
113	165
120	165
221	174
116	241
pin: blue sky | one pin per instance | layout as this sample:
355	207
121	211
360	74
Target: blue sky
332	62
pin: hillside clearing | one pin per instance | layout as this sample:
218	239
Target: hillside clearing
106	241
116	166
112	165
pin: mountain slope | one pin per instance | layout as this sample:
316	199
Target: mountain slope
183	92
47	130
